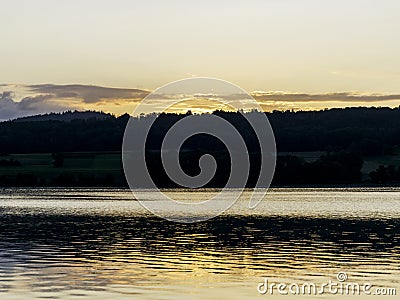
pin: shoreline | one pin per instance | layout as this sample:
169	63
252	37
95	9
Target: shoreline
282	187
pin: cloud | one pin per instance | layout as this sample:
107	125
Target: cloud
38	104
337	97
279	96
32	103
272	100
89	93
24	100
45	98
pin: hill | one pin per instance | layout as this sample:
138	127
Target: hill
67	116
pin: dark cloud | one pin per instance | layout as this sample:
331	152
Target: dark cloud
32	103
89	93
38	104
55	98
273	96
340	97
8	108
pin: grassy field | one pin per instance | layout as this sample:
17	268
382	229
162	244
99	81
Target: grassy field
78	164
89	167
370	163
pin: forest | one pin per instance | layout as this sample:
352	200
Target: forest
346	140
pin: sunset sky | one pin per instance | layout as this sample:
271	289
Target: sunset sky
108	55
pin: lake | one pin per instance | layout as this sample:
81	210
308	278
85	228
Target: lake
101	243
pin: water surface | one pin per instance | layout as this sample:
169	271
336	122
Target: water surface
100	243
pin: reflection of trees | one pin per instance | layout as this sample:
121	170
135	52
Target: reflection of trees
81	233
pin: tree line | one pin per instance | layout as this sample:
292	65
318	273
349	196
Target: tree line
367	131
344	135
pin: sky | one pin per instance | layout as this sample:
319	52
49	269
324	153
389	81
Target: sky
300	54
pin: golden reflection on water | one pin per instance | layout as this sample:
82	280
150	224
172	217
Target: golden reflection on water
99	244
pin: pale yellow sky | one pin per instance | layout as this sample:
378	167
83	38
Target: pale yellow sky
294	46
